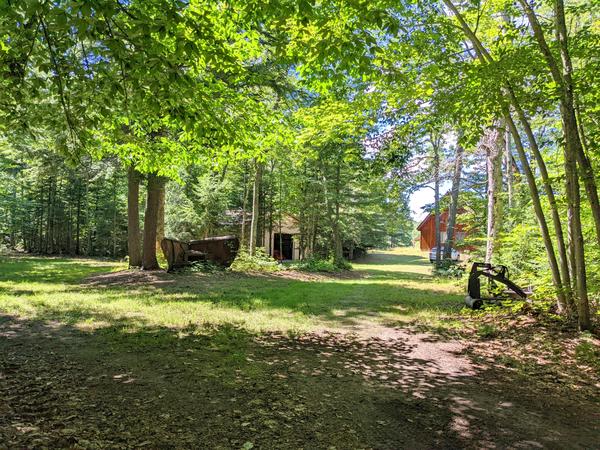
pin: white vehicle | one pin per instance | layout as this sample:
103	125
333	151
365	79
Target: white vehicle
454	255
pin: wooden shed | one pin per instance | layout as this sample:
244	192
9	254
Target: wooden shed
427	231
283	241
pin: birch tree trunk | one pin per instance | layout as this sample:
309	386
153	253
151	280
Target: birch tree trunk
493	142
436	189
452	213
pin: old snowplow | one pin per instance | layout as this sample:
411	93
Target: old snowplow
220	250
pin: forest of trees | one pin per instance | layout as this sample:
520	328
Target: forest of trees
51	206
115	114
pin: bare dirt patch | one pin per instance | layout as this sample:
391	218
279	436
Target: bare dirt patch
222	387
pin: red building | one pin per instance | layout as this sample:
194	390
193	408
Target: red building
427	230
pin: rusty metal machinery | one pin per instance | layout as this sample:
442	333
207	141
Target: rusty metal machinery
494	274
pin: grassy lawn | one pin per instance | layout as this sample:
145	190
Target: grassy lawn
96	356
389	287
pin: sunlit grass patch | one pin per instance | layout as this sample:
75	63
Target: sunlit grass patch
391	286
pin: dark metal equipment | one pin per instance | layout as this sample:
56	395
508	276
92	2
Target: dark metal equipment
493	274
220	250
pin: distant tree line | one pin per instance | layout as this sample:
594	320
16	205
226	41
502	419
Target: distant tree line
49	206
52	206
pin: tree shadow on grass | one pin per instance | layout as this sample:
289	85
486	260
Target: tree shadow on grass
131	384
341	302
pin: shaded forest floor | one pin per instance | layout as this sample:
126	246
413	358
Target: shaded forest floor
94	356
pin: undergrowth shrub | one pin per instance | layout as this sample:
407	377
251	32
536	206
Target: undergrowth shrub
344	265
259	262
320	265
449	269
522	251
204	267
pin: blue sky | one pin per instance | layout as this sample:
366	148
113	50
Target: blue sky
419	199
422	197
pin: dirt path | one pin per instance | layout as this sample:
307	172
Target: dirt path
224	387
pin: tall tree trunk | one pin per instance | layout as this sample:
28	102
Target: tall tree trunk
337	235
54	219
244	209
134	248
578	265
88	221
13	218
149	261
48	219
556	219
562	76
255	208
508	170
452	213
330	209
114	219
69	241
573	151
270	227
260	229
315	232
573	197
280	242
539	212
78	225
576	242
271	210
574	146
160	219
436	189
493	142
40	230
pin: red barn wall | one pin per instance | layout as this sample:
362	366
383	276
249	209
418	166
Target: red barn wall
427	229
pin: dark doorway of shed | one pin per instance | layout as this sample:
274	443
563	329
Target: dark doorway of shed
283	246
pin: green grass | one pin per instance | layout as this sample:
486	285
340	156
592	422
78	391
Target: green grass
388	287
